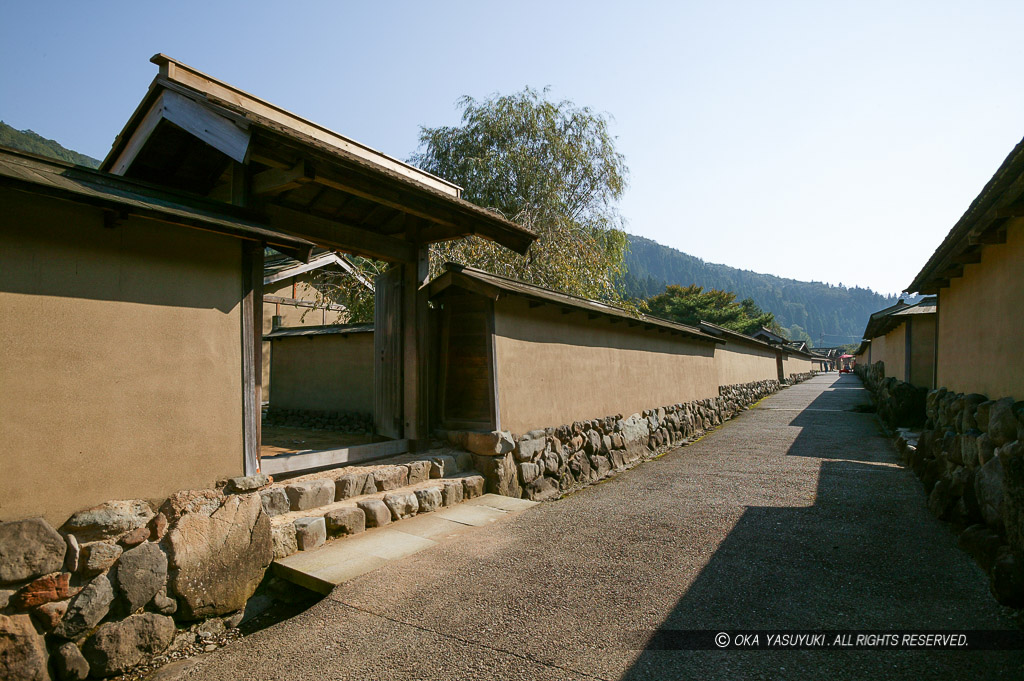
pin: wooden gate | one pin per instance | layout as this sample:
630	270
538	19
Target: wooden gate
387	350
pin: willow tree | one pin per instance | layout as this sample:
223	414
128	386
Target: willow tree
549	166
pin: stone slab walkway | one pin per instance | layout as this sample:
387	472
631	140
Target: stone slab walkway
794	515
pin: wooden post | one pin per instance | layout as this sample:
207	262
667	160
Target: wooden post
252	332
415	349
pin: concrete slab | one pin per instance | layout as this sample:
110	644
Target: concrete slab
508	504
342	560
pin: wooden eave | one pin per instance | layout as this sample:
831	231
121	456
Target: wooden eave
122	198
493	286
301	177
984	223
716	330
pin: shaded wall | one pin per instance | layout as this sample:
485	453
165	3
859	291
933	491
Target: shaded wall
555	368
121	348
796	364
981	324
894	354
922	350
323	373
738	363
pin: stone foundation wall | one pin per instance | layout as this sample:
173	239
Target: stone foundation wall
346	422
800	378
970	458
122	582
544	464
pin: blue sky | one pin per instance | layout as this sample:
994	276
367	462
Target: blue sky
822	141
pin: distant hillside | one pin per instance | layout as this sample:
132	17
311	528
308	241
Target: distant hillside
26	140
828	315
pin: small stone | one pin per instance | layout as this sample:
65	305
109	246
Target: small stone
529	449
246	484
49	615
141	573
188	502
310	533
98	557
351	485
209	647
118	646
303	496
377	512
988	488
111	520
157	527
390	477
452	492
70	664
5	597
419	471
28	549
1002	422
283	538
401	505
495	443
72	554
211	628
22	651
540	489
528	472
345	521
428	499
164	604
52	587
275	501
135	537
87	608
473	486
443	465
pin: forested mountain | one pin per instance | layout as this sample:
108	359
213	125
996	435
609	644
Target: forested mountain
824	314
26	140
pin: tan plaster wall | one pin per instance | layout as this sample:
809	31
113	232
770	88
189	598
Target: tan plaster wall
877	349
796	365
895	353
121	372
922	350
293	315
738	363
981	322
555	368
324	373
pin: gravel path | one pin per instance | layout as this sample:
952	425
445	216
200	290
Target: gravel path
792	516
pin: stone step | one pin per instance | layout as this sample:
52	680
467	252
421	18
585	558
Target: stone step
343	559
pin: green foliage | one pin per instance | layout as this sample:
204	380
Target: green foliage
26	140
349	288
692	304
830	315
549	166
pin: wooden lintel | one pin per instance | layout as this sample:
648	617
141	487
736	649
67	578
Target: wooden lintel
340	236
968	257
277	180
953	272
315	460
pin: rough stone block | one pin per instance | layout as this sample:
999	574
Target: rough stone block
473	486
49	615
345	521
310	533
988	489
283	540
204	501
529	449
495	443
218	560
402	505
452	492
72	553
87	608
118	646
141	573
540	489
97	557
428	499
246	484
22	651
164	604
303	496
377	512
443	465
70	663
29	548
111	520
1002	422
500	473
351	485
464	461
275	501
390	477
528	472
46	589
419	471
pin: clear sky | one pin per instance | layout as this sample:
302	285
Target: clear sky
820	140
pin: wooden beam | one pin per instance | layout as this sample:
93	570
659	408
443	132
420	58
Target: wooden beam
534	303
593	315
276	180
338	235
968	257
566	310
994	236
252	353
415	344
